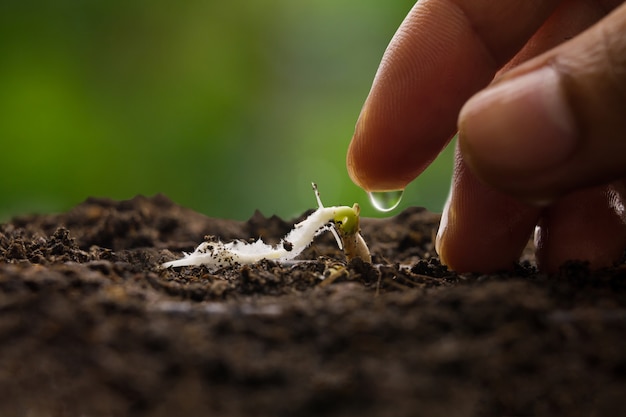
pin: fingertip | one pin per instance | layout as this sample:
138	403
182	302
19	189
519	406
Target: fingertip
352	164
481	229
515	134
378	161
585	226
439	246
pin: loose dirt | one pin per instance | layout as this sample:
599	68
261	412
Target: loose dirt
90	325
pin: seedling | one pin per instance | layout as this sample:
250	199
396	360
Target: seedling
342	221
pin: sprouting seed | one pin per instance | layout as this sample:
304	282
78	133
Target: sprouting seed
342	221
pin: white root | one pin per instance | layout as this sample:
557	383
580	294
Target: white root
217	254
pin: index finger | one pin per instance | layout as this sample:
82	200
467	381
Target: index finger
444	52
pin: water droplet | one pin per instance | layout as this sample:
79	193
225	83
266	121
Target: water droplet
385	200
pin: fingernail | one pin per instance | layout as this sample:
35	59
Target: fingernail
518	129
439	239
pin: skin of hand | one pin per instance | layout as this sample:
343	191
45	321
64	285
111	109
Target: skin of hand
537	92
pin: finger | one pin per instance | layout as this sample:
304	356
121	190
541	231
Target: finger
584	226
556	123
482	230
568	20
443	52
502	223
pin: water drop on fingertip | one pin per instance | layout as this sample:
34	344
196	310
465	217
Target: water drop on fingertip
385	200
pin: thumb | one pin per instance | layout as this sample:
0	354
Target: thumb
556	123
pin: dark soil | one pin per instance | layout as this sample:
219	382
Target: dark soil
91	326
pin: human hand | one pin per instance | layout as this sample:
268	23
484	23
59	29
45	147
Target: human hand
544	145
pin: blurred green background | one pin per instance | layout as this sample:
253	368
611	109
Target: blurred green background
226	107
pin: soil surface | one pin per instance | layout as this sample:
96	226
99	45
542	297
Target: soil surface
90	325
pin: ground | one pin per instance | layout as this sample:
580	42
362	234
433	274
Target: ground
90	325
